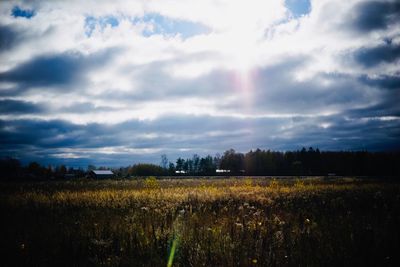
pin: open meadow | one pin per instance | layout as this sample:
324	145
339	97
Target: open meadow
201	222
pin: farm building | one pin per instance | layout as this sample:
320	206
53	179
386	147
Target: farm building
101	174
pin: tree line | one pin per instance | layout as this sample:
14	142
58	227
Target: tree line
12	169
302	162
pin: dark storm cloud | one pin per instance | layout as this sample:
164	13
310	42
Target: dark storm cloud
386	108
217	85
8	37
36	132
375	15
18	107
186	135
12	36
370	57
60	70
368	133
45	71
276	90
383	82
170	134
9	106
343	133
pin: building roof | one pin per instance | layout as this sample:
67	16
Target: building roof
103	172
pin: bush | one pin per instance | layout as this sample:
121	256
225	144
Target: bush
144	169
151	183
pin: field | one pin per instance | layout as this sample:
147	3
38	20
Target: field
201	222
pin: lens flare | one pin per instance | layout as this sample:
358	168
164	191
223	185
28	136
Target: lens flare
172	252
244	85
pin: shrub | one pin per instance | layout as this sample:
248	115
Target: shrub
146	170
151	183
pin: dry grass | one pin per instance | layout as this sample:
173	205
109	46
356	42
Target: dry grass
209	222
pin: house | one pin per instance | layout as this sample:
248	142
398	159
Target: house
101	174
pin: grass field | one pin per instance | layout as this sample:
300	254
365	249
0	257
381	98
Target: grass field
201	222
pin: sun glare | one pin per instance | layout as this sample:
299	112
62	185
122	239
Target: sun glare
244	26
240	38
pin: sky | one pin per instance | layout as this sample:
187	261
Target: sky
115	83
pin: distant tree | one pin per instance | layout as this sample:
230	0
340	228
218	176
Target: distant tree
144	169
34	167
206	166
164	161
217	160
171	168
196	164
232	161
179	164
91	167
35	171
10	169
60	171
187	165
63	169
49	172
122	172
297	168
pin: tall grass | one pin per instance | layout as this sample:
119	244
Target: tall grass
202	222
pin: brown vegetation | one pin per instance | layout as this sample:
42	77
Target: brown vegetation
210	222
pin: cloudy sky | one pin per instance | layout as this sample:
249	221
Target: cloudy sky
118	82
